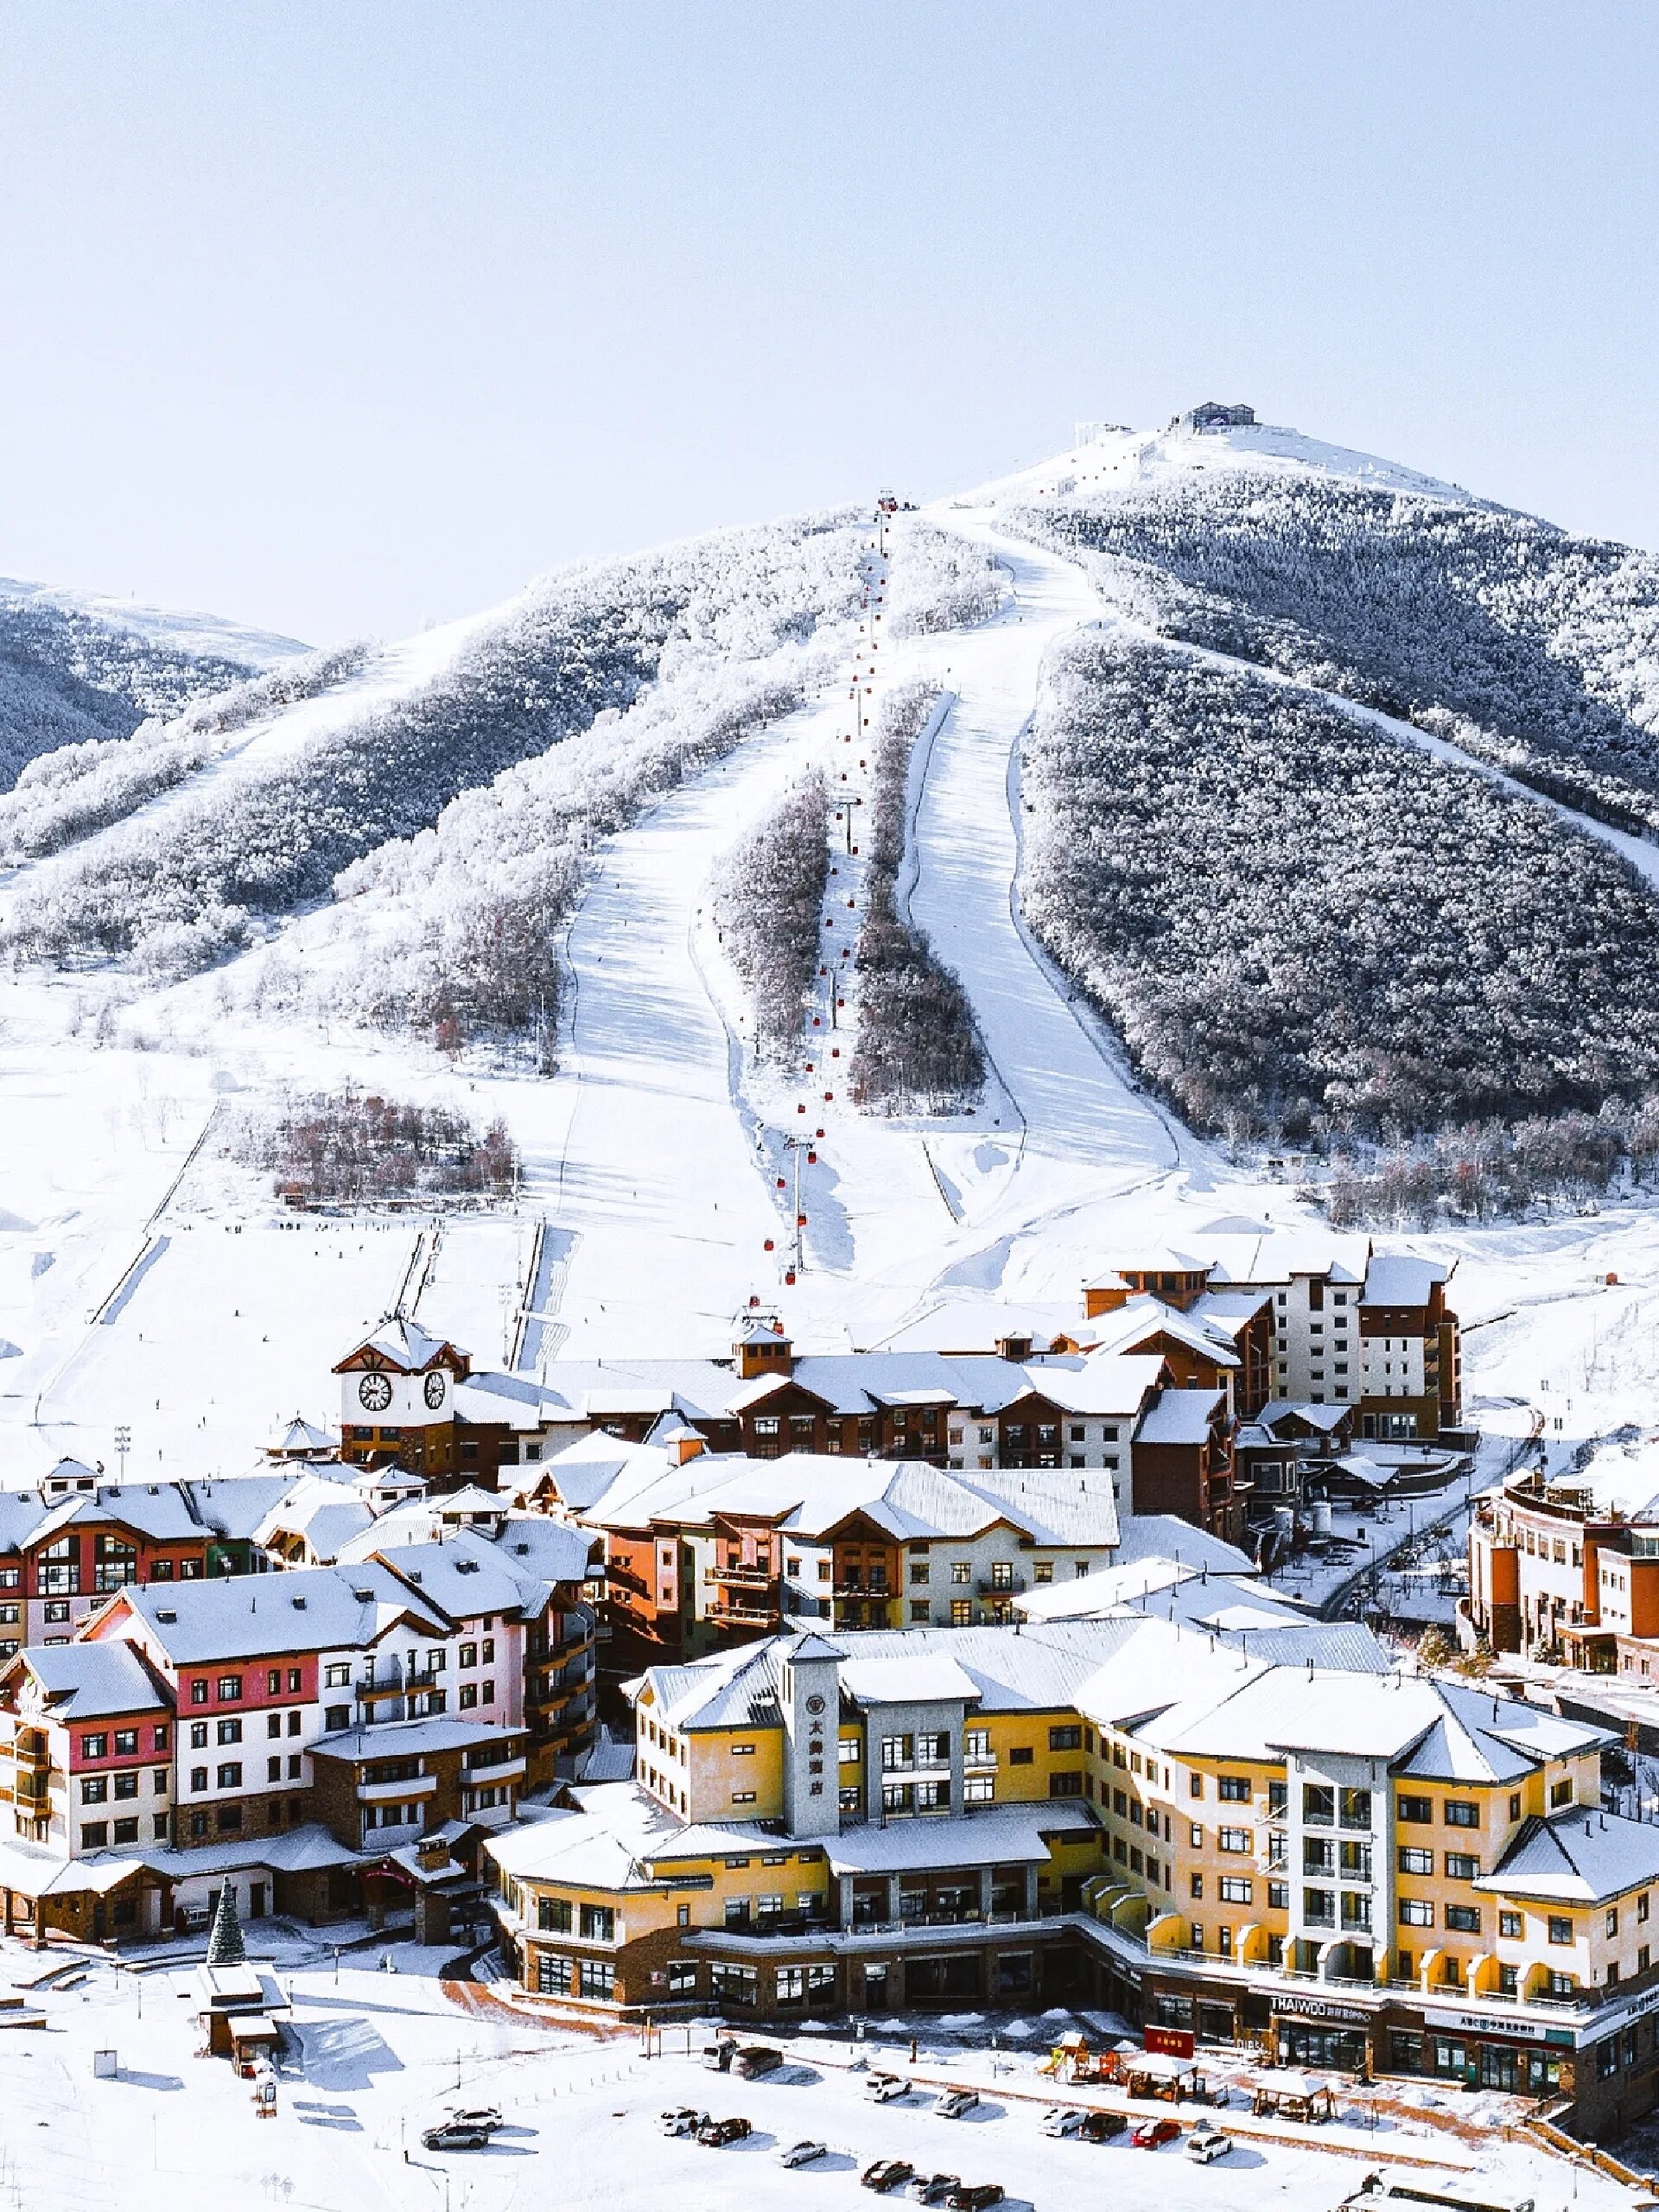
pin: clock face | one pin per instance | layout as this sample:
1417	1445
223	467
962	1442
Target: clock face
374	1393
435	1389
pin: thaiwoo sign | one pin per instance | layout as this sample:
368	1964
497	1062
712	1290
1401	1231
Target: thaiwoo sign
1323	2008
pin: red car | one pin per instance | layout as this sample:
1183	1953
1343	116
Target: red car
1152	2134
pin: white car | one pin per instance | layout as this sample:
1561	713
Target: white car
953	2104
1205	2143
801	2154
1063	2120
680	2119
883	2089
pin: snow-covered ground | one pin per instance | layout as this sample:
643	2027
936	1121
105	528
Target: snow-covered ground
376	2057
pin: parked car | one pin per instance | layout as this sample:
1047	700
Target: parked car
1102	2126
681	2120
717	2134
756	2058
973	2197
456	2135
1064	2119
1152	2134
883	2089
471	2116
717	2056
953	2104
931	2188
886	2173
802	2154
1205	2143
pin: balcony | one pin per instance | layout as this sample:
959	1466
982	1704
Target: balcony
31	1752
746	1577
756	1616
1011	1588
508	1769
397	1793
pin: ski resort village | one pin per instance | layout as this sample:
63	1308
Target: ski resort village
797	1429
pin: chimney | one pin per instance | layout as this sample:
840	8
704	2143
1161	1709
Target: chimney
686	1445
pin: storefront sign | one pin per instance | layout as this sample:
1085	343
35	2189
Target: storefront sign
1481	2023
1175	2043
1605	2024
1322	2008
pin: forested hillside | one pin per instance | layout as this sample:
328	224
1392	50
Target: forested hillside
1300	924
184	880
1527	647
70	674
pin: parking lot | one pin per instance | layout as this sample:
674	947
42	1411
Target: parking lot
375	2057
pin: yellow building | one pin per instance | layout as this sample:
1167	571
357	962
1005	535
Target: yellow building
1252	1835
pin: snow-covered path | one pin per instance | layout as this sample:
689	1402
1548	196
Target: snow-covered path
654	1175
1076	1106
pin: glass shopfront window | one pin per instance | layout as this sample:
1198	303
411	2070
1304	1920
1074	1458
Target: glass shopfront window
1305	2042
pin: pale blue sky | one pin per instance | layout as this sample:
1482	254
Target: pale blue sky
340	317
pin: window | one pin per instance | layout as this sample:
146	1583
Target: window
1561	1793
228	1820
599	1923
336	1717
1414	1861
230	1732
1065	1739
1278	1896
1319	1804
294	1724
229	1687
961	1612
1415	1810
979	1790
1065	1785
933	1748
1416	1912
94	1790
1195	1885
976	1747
743	1797
1042	1571
1235	1889
962	1570
125	1832
273	1724
469	1655
296	1680
919	1571
1355	1808
336	1677
274	1681
198	1692
94	1747
1509	1924
230	1775
94	1834
1560	1928
1234	1839
553	1974
1612	1920
1462	1812
553	1914
1464	1918
1020	1755
1234	1789
1318	1909
126	1785
1462	1866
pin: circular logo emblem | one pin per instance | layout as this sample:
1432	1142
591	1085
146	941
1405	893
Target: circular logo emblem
815	1703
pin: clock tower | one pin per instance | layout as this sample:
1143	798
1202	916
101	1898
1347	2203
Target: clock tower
396	1398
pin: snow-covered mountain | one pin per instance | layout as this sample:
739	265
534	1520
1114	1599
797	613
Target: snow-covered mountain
1278	788
75	667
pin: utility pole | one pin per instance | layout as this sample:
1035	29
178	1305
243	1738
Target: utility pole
123	1446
